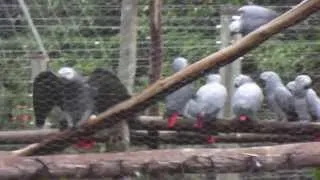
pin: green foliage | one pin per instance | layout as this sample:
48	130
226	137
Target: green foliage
316	174
286	58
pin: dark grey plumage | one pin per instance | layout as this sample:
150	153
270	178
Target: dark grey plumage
176	101
251	17
77	97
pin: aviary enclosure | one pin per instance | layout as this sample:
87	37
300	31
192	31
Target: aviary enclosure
137	41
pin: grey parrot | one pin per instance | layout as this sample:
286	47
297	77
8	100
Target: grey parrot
251	17
307	102
313	101
176	101
77	97
247	98
279	98
208	101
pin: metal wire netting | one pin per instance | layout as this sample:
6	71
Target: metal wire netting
85	35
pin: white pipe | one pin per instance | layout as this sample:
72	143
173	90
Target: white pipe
33	28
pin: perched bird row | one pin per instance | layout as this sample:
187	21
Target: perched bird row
293	102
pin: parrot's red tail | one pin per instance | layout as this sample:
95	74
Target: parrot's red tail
243	118
172	120
85	144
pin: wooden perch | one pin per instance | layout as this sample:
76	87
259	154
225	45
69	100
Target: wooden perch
159	89
230	126
189	138
188	160
141	137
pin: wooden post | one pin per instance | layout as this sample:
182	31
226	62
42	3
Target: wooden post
228	73
156	58
120	139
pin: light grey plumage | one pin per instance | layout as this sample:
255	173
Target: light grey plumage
247	99
176	101
279	98
208	101
251	17
313	101
306	101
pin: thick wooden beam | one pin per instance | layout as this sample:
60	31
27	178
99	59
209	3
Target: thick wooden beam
189	138
141	137
267	158
159	89
231	126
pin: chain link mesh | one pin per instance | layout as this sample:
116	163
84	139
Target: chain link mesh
85	35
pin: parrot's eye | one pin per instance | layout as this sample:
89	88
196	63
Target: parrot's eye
306	87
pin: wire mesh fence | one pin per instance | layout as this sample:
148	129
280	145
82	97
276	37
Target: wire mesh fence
85	35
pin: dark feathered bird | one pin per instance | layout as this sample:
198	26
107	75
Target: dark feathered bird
77	97
176	101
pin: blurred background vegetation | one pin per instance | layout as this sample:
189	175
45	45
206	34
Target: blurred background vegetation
85	34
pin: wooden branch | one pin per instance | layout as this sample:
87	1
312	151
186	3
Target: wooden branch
159	89
231	126
156	56
189	138
141	137
188	160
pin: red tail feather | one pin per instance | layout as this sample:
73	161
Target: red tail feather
243	118
85	144
199	123
211	140
172	120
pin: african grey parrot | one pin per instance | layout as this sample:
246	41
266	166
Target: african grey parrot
251	17
77	97
279	98
313	101
176	101
247	98
307	103
208	101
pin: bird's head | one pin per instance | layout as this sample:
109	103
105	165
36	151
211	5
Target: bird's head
179	63
291	86
270	77
241	79
235	25
67	72
216	78
303	82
